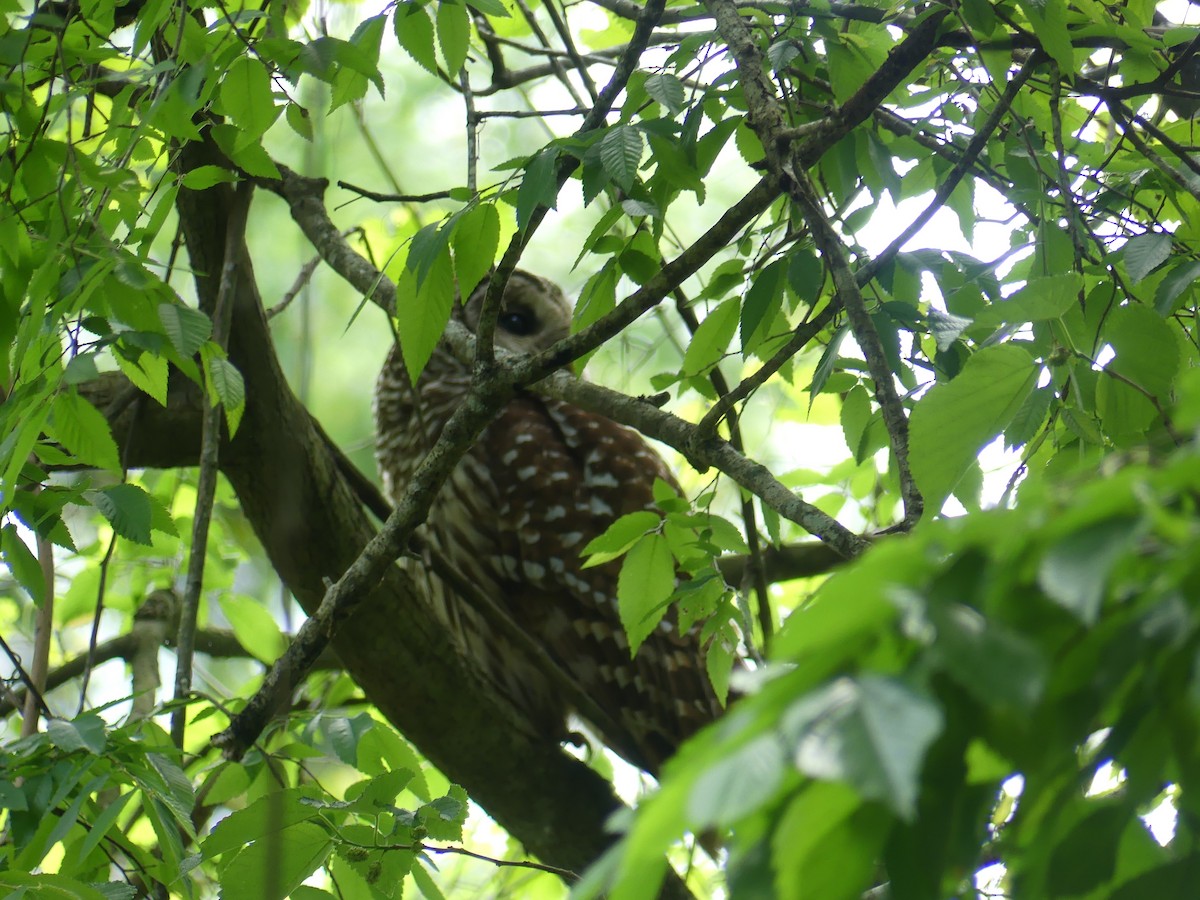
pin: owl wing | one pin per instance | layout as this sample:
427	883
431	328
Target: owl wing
564	475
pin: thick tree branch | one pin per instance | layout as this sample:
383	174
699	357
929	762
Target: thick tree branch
313	528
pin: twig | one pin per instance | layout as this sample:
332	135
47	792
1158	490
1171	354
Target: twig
42	630
206	486
394	198
472	133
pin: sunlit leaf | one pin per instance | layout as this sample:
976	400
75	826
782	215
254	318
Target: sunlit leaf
645	584
953	422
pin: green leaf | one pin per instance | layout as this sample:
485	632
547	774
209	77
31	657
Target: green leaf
619	537
226	385
646	582
203	177
1041	298
1181	277
763	302
23	564
52	887
490	8
1074	572
443	817
667	90
996	664
84	432
710	343
1048	18
476	237
856	416
246	96
84	733
1029	418
621	153
127	508
149	373
427	247
955	420
254	627
454	35
1144	253
101	824
422	313
738	784
539	187
1146	352
827	843
872	733
414	31
263	818
946	328
272	869
187	328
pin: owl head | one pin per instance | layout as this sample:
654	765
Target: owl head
534	314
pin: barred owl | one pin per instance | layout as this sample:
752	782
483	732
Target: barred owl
542	480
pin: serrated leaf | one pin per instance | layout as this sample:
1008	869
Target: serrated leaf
619	537
271	870
667	90
422	314
781	53
998	665
299	121
23	564
710	343
229	389
426	247
539	187
187	328
1146	352
150	374
1144	253
1172	286
946	328
1048	18
621	154
84	432
246	96
263	817
763	301
203	177
738	784
646	582
1029	418
414	31
955	420
443	817
1041	299
490	8
1074	572
83	733
872	733
454	35
476	237
127	508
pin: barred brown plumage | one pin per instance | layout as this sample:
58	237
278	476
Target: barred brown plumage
542	480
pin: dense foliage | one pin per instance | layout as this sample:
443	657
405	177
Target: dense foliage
914	284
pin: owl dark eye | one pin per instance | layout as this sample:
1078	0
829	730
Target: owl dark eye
518	322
